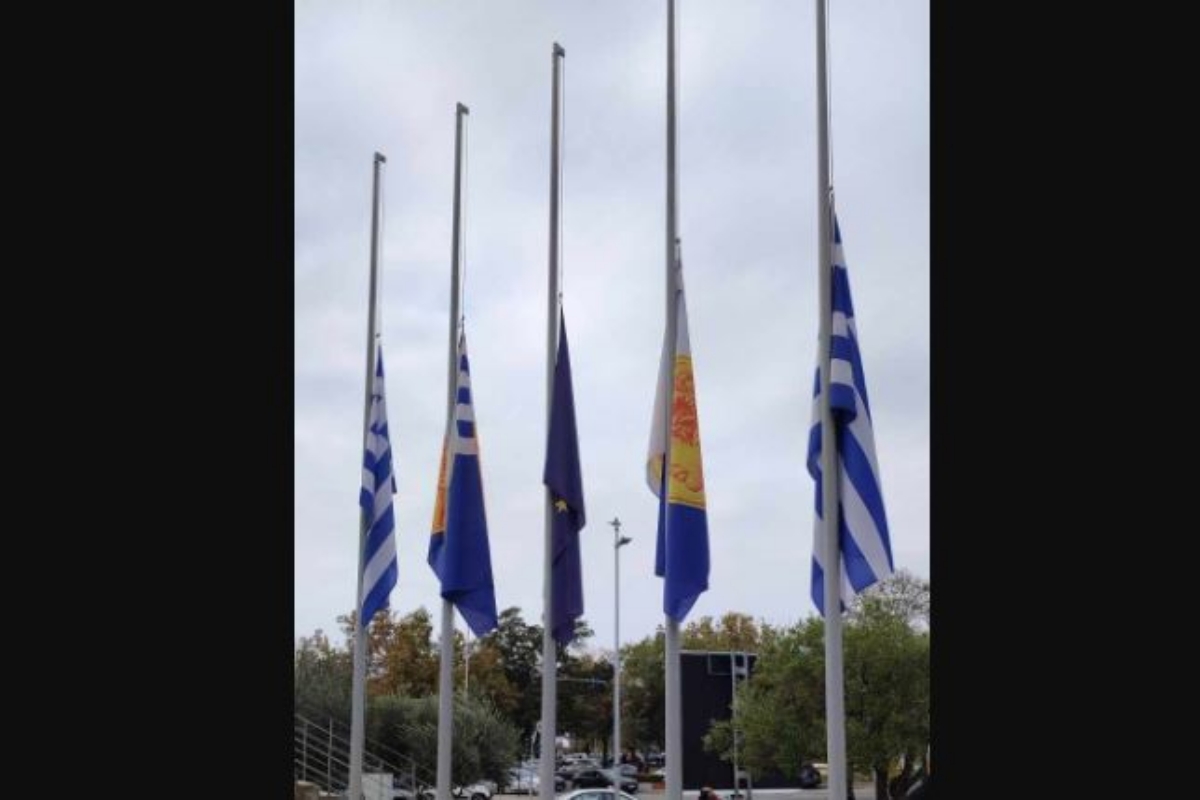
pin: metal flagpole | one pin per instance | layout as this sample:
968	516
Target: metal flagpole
674	711
359	680
446	672
835	712
549	654
619	541
617	651
733	676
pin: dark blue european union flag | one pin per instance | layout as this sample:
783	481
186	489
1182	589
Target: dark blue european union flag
563	479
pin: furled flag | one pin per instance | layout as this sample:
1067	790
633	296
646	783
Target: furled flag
866	551
562	476
458	544
378	487
681	553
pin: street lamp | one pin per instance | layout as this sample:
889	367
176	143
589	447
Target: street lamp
618	542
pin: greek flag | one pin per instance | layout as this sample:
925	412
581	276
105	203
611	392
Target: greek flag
378	487
866	551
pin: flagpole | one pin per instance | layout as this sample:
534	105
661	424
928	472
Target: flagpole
835	712
619	541
446	671
359	681
674	717
549	655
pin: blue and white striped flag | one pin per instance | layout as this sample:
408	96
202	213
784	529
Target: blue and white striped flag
459	553
378	487
866	551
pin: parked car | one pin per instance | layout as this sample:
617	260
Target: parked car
576	759
482	790
633	759
810	778
595	794
600	778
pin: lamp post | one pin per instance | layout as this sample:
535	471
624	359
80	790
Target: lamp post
618	542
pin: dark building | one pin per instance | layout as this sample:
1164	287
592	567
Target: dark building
706	685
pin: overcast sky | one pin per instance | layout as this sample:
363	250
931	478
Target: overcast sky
386	76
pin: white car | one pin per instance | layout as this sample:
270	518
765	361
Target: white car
595	794
476	791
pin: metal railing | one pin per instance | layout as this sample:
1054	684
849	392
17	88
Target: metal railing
322	756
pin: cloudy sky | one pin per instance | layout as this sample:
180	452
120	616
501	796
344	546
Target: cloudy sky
386	76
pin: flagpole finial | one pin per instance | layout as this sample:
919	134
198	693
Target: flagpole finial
559	51
380	158
462	109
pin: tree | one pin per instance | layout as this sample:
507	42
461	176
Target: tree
643	716
643	686
404	656
887	676
585	701
484	746
321	679
401	694
488	679
519	650
781	709
903	595
736	632
886	662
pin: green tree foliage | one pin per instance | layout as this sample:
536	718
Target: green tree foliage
781	709
401	696
733	632
322	677
585	701
485	743
518	649
886	655
643	687
402	654
887	677
489	680
643	717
